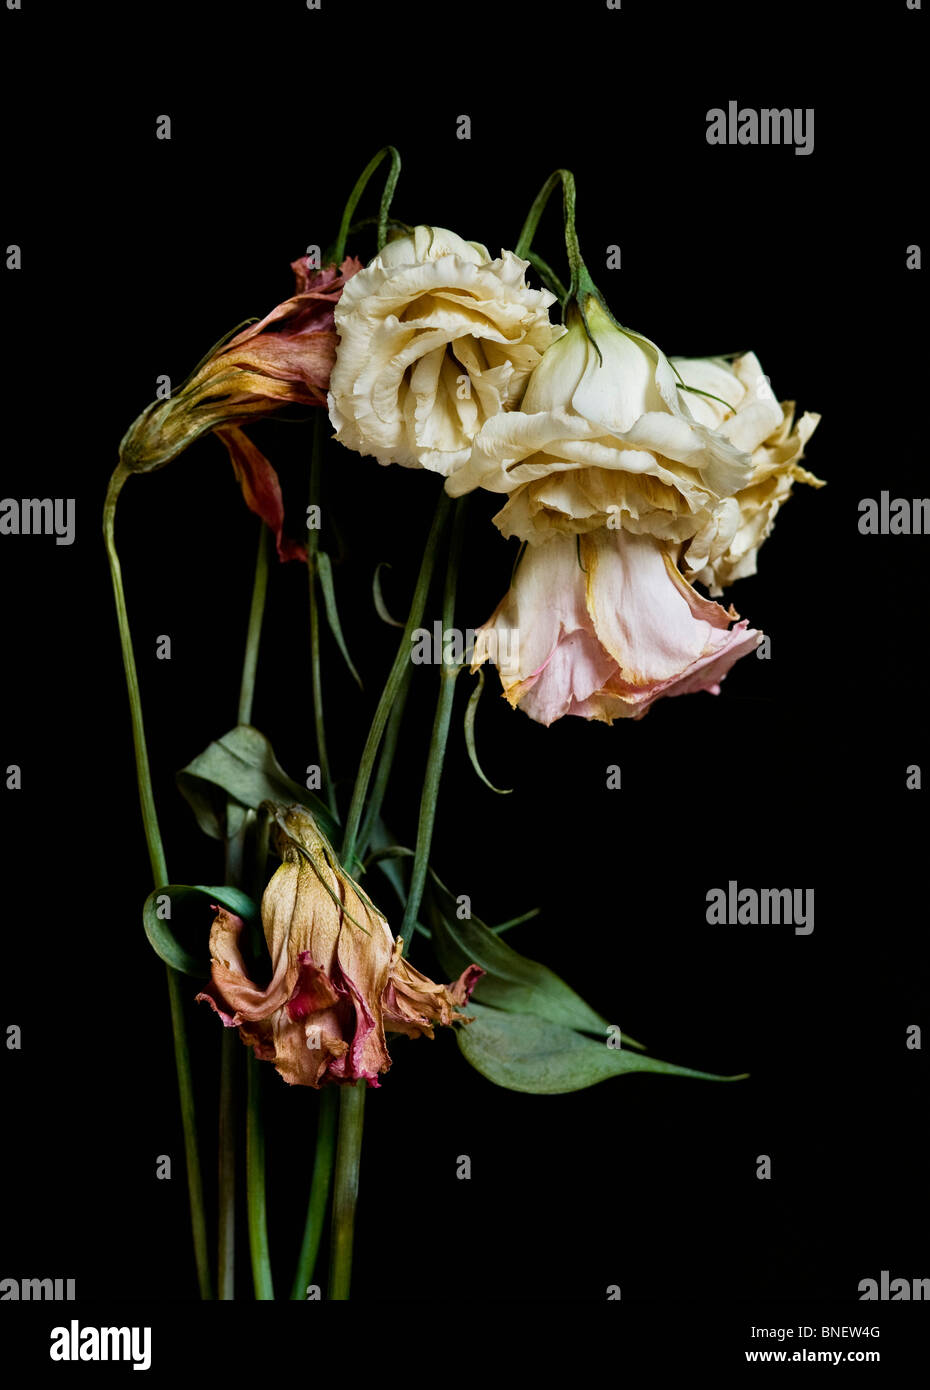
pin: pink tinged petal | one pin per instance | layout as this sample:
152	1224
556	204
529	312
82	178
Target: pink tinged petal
577	668
261	488
231	993
314	991
544	605
367	1054
645	614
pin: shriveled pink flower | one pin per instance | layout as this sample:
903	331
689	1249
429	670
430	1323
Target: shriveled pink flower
601	625
339	982
285	359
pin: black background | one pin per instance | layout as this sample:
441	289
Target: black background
137	255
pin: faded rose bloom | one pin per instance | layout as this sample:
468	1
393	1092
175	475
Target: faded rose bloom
601	626
603	436
435	338
739	403
286	359
339	982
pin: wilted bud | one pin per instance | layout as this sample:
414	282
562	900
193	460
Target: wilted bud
339	981
286	359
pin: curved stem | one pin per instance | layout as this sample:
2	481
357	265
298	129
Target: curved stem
143	771
572	249
437	748
360	186
320	1186
160	876
255	1183
345	1195
393	683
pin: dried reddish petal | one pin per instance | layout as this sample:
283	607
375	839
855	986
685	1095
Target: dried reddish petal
261	488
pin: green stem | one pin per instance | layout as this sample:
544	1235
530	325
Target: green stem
385	763
345	1194
313	550
160	876
352	1098
390	184
230	1045
320	1187
437	748
393	683
548	276
230	1051
255	1183
580	280
254	634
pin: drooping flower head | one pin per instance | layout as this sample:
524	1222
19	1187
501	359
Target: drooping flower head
339	981
603	436
601	626
435	338
285	359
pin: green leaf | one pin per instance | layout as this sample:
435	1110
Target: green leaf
470	712
325	571
159	929
516	921
522	1052
513	982
241	766
380	605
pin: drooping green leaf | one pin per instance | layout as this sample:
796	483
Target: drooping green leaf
470	712
160	931
380	605
523	1052
325	571
513	982
241	767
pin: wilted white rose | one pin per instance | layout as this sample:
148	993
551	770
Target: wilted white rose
603	437
435	339
739	403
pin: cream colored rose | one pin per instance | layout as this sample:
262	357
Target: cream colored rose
435	339
604	437
740	404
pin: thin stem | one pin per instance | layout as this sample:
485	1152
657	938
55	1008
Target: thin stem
254	634
320	1187
548	276
313	550
345	1194
437	748
255	1185
393	683
572	249
143	771
160	876
360	186
352	1099
385	763
230	1047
